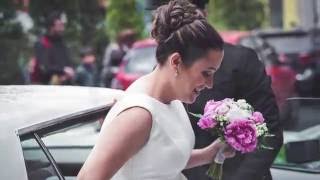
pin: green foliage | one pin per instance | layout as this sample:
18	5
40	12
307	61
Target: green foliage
9	27
11	62
12	42
85	26
85	23
123	14
82	16
237	14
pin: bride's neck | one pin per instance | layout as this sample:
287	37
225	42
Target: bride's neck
159	86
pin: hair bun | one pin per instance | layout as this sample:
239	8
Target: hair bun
172	16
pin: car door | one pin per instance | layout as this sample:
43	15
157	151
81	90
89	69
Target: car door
58	148
299	158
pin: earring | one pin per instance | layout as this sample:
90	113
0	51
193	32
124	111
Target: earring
176	73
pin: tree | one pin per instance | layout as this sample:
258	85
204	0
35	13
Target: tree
85	23
82	16
85	26
237	14
12	43
123	14
8	26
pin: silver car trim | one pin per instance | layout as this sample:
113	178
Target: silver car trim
50	125
49	156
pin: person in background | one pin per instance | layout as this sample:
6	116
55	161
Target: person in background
86	72
51	63
241	76
114	54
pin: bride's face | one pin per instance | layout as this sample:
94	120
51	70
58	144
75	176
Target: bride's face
191	80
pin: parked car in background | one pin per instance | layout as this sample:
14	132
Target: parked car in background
300	51
47	132
233	37
139	60
283	77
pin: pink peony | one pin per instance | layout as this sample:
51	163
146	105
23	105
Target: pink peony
241	134
207	122
211	106
257	117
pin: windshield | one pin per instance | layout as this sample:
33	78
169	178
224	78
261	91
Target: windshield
290	44
141	60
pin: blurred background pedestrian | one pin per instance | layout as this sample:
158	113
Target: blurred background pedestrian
86	72
51	63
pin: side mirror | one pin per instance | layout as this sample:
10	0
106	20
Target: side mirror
303	151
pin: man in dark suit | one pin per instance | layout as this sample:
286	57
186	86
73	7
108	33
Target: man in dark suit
241	76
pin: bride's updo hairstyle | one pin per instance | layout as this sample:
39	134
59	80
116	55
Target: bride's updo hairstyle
180	27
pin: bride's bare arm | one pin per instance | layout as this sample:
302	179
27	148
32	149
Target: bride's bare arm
124	137
203	156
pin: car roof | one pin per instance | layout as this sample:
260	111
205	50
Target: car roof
31	104
26	105
280	32
233	37
144	43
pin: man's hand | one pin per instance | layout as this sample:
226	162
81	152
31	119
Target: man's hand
69	72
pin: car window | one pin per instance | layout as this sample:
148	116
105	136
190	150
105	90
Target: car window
70	146
301	149
251	42
141	60
61	147
37	164
290	44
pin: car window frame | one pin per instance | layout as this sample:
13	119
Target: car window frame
40	130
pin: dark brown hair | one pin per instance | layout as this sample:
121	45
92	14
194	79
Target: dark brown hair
180	27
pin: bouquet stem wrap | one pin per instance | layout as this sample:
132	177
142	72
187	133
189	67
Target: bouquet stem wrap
215	169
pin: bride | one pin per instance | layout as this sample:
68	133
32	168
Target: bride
147	134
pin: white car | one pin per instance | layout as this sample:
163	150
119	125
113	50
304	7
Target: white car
47	132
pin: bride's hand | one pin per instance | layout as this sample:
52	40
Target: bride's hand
206	155
228	151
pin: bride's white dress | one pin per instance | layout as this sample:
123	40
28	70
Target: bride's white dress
170	143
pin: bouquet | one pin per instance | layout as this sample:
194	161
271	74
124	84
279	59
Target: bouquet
237	124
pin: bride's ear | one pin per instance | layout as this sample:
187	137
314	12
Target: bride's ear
175	61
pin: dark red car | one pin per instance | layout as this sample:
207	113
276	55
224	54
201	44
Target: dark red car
139	60
283	77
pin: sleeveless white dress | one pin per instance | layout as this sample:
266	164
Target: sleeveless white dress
170	143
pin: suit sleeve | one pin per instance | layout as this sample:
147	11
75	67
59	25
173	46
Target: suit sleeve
254	85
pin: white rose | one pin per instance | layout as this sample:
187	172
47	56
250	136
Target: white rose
237	113
222	109
244	105
241	101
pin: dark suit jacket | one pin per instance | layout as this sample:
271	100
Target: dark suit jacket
241	76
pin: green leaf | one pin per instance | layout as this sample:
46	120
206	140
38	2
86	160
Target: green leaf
266	147
196	115
269	135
